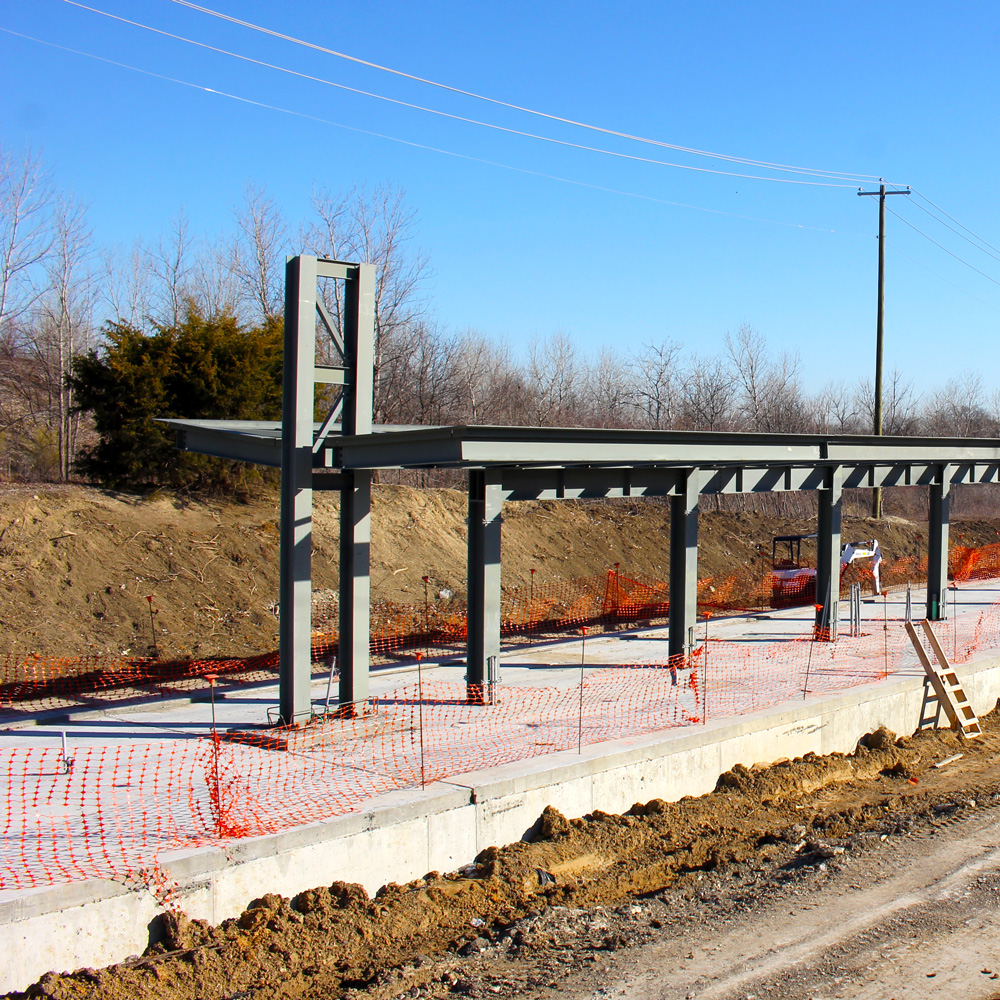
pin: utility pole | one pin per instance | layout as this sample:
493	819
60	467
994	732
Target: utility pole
881	192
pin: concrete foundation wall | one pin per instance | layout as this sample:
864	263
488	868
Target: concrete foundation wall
405	834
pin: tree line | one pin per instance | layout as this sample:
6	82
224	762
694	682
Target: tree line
97	342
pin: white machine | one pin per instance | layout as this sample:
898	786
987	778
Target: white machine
792	583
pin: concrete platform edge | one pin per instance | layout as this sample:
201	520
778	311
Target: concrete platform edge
406	833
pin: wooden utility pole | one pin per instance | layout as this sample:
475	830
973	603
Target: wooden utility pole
881	192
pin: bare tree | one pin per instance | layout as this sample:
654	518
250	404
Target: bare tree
423	378
609	391
26	200
36	405
653	372
961	409
213	287
708	394
899	405
555	381
836	409
126	285
64	327
261	243
170	262
373	227
769	396
486	385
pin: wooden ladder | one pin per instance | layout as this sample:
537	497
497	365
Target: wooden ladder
945	682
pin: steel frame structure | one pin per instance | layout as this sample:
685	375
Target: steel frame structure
504	464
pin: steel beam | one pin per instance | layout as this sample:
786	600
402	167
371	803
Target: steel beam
683	609
828	555
938	518
485	517
482	446
359	351
355	589
587	483
295	584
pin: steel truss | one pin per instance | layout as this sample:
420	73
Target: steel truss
342	451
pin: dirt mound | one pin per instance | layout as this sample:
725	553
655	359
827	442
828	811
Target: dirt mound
331	939
79	565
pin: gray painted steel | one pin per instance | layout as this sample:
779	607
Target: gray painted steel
301	439
828	555
521	463
295	586
683	606
938	517
483	604
592	462
355	587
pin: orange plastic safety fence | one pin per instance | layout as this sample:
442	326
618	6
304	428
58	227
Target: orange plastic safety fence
114	811
438	626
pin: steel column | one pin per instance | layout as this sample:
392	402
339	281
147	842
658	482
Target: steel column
938	517
828	555
683	609
353	655
295	585
485	509
359	351
355	589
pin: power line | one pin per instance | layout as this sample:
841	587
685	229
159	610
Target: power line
445	114
940	277
957	223
944	248
420	145
837	174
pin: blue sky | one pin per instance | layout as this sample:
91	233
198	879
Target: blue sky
906	92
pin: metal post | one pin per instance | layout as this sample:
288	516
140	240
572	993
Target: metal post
355	588
295	586
683	608
828	556
485	509
297	450
355	496
359	350
938	517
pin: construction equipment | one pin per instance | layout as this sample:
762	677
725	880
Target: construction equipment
791	582
864	550
794	584
948	688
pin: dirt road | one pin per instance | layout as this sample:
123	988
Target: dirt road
913	917
911	911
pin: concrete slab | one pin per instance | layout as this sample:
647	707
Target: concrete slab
404	833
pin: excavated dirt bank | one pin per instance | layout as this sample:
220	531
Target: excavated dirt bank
522	918
78	564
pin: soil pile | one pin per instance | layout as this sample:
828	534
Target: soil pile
78	564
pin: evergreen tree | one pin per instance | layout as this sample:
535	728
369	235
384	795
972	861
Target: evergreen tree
201	368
